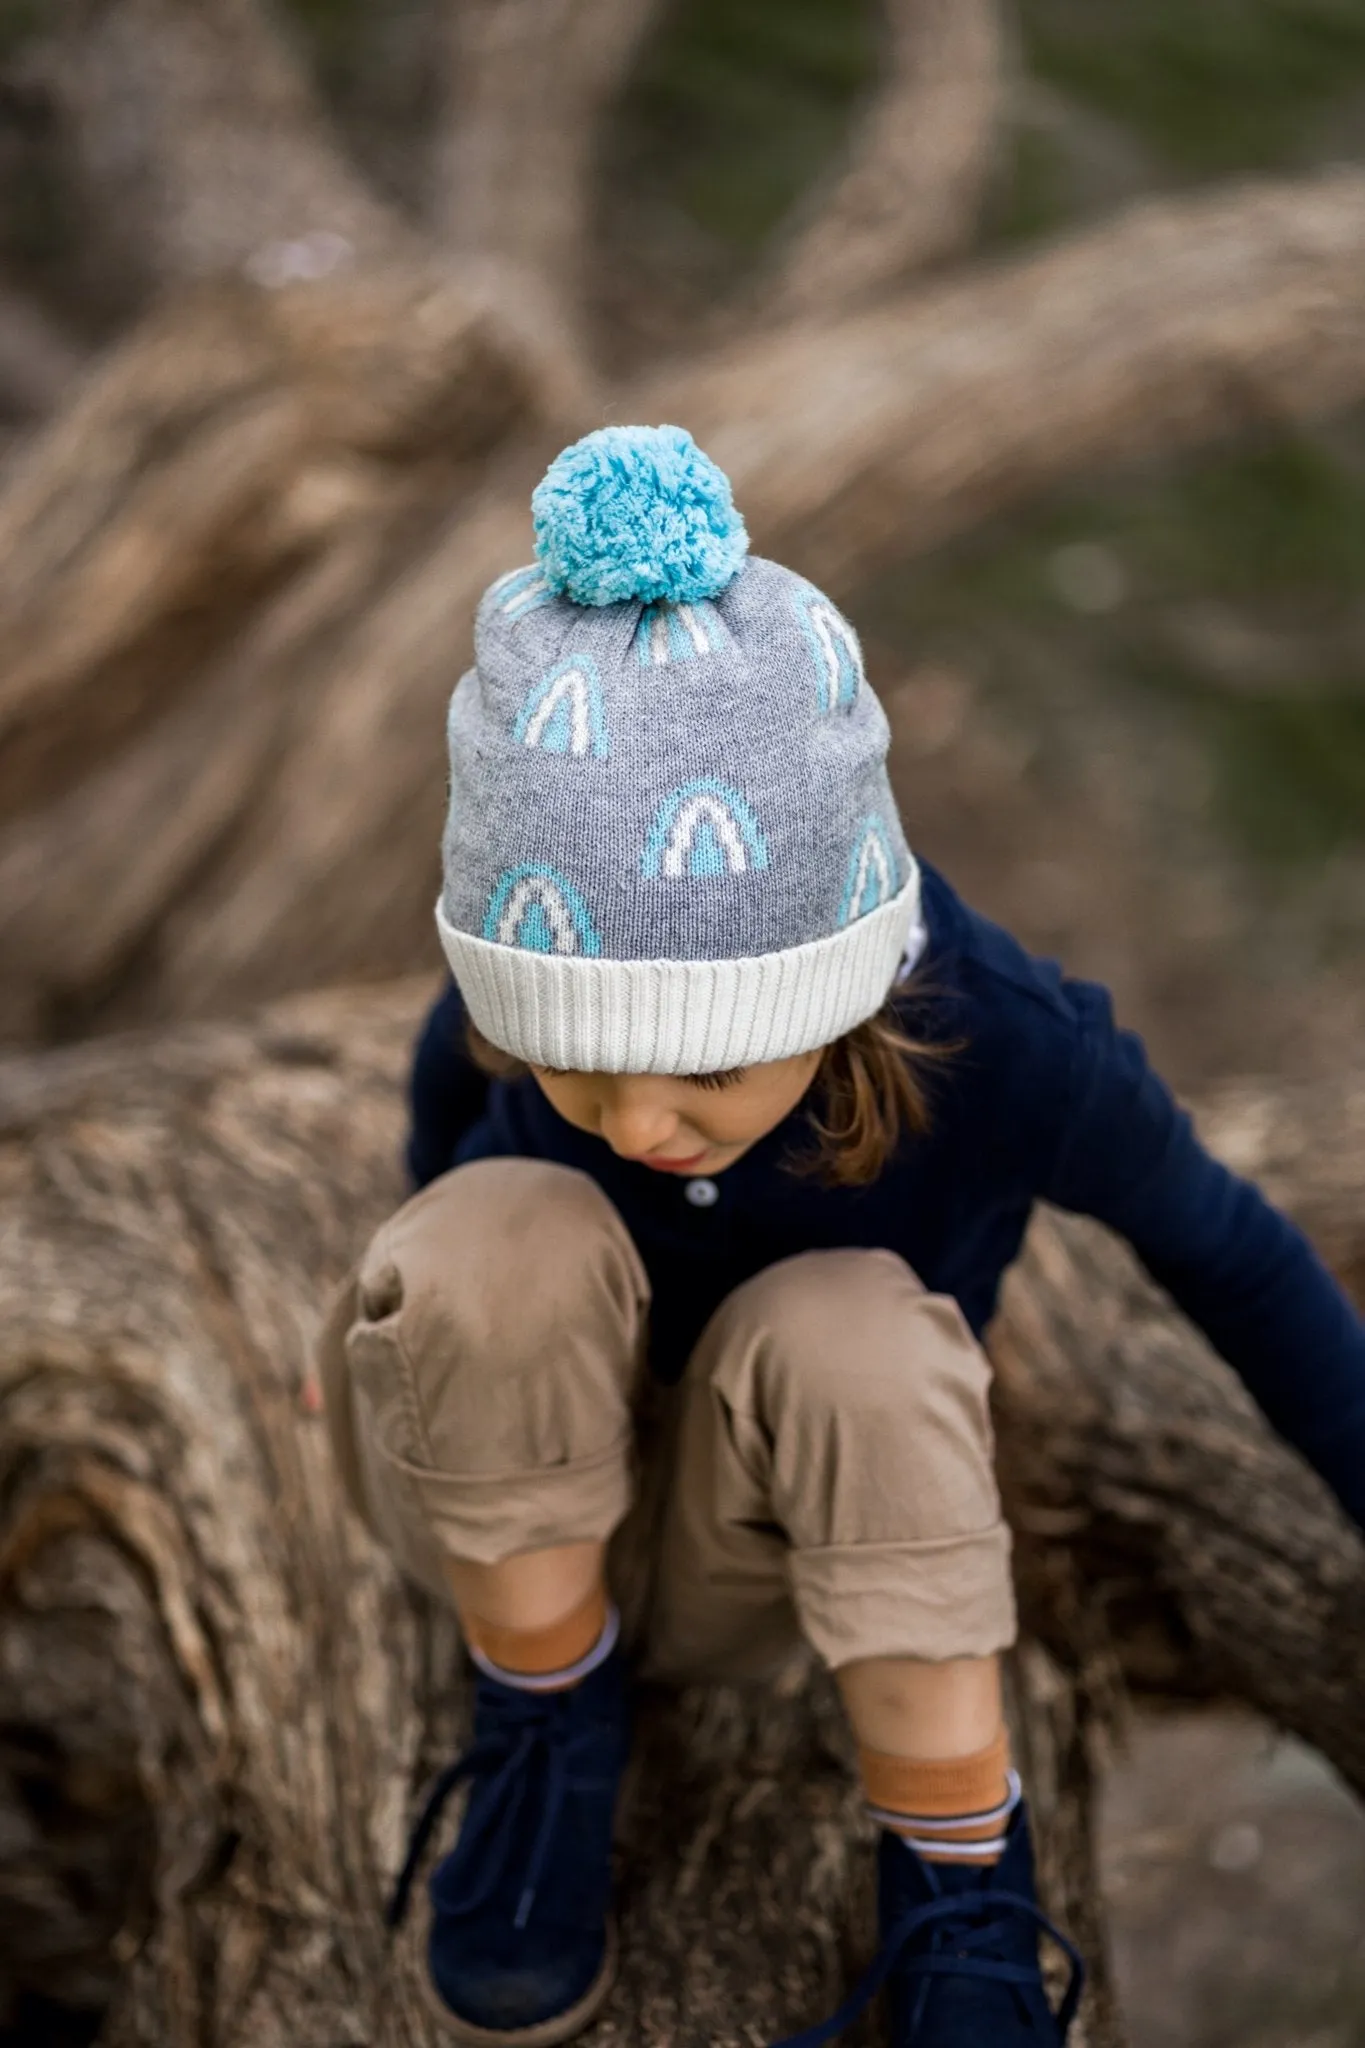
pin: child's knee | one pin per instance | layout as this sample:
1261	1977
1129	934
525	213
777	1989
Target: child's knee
873	1394
485	1369
843	1329
504	1261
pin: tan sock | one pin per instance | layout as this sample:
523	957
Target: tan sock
547	1656
950	1810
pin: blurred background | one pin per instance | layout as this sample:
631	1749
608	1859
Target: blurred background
1129	713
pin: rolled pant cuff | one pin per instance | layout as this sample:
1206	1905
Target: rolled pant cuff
484	1517
949	1597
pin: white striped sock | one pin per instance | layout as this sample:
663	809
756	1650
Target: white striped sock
556	1681
928	1836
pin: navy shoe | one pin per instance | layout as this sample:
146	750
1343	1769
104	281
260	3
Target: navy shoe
522	1948
959	1954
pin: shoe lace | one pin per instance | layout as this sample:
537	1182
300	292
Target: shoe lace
535	1745
959	1926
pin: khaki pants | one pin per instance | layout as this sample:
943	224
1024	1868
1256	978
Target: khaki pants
824	1469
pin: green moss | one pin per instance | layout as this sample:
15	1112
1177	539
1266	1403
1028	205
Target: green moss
1283	517
1216	85
1273	531
1277	523
1032	198
1288	771
340	37
737	104
19	19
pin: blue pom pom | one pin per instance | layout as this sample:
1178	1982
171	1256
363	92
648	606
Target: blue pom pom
637	512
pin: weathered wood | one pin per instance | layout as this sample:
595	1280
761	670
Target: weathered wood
529	84
185	553
200	144
38	358
912	422
237	575
910	193
1180	320
202	464
220	1700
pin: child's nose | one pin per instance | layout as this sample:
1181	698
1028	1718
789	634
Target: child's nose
636	1127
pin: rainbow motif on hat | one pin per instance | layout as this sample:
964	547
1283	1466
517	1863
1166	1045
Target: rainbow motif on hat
702	830
536	910
871	873
677	632
833	642
563	711
521	591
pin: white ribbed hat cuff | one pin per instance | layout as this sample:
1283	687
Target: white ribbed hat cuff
682	1016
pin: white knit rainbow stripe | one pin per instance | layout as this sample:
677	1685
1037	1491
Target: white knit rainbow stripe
555	1681
521	591
927	1837
677	632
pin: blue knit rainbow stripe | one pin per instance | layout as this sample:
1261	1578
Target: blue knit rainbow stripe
834	644
871	873
677	632
563	712
702	830
537	910
521	591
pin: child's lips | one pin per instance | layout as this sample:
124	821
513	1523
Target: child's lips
675	1165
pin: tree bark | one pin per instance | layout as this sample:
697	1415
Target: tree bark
184	554
201	145
529	83
911	193
1181	320
220	1701
235	435
38	358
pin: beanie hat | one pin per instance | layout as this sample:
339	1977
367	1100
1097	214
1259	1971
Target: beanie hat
671	845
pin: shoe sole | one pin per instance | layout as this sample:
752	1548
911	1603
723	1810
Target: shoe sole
561	2026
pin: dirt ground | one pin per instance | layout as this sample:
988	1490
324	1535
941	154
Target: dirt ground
1234	1866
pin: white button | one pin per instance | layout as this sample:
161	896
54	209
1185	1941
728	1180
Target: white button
702	1193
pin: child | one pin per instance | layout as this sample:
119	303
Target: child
729	1089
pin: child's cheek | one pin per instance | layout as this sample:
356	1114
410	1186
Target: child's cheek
738	1123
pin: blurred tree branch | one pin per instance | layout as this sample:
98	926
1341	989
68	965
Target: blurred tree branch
528	85
38	358
877	437
200	142
911	193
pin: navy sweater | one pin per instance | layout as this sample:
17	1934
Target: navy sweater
1046	1098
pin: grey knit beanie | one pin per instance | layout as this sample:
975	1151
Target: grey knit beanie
672	846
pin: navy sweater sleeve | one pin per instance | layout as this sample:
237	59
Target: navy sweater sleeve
1237	1267
446	1091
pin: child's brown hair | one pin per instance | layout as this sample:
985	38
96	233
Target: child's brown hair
869	1091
